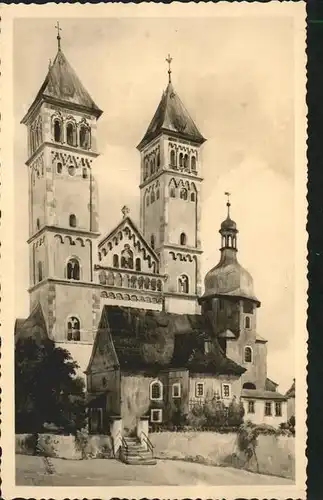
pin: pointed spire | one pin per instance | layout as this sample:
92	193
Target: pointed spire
58	36
169	61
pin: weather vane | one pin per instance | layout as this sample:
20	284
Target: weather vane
125	211
227	194
169	60
58	35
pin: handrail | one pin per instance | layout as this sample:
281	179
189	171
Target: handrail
148	442
125	445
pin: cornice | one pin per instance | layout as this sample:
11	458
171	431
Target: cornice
63	230
61	146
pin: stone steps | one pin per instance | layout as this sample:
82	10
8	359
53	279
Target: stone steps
134	453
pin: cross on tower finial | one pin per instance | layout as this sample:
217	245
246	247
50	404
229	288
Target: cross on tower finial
125	211
227	194
169	60
58	35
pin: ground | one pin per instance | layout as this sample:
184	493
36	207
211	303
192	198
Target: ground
31	470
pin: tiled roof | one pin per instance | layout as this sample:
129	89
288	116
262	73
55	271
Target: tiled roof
63	84
260	394
34	326
171	116
154	340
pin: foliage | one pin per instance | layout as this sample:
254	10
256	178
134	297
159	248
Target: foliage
81	440
46	389
289	426
214	414
248	440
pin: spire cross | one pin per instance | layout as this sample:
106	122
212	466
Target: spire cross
58	35
125	211
227	194
169	60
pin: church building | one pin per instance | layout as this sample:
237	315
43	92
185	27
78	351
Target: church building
129	305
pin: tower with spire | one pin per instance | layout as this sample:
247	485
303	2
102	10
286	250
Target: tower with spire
170	198
63	214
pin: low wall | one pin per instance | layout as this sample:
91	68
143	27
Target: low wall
67	447
275	454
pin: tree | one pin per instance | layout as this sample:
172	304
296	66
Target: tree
46	388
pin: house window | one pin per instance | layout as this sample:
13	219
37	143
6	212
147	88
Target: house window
248	354
176	390
193	164
181	159
84	173
157	194
158	159
59	167
199	389
152	241
72	220
152	196
71	134
85	137
268	408
156	391
40	271
182	239
156	415
278	409
186	162
138	264
192	196
73	328
73	269
115	260
183	284
57	131
251	407
71	170
226	390
247	322
172	192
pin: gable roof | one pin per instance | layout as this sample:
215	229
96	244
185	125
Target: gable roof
291	391
63	85
171	116
124	222
155	340
260	394
32	327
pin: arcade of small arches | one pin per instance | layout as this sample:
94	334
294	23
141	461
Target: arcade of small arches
183	161
229	241
72	240
135	298
184	190
151	163
70	132
125	280
182	257
152	194
128	260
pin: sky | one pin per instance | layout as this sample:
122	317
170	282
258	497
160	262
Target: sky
235	77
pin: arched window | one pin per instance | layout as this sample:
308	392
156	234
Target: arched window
248	355
193	164
102	277
182	239
115	259
127	258
192	196
172	158
181	159
146	169
57	131
247	322
152	167
138	264
152	241
85	137
159	285
157	194
147	199
71	170
59	167
183	194
37	223
73	269
73	329
156	390
72	220
172	192
158	159
84	173
71	134
40	271
152	196
183	284
186	162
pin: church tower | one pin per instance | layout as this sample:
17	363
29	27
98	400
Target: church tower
63	218
170	198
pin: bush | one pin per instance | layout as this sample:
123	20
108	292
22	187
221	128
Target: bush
214	414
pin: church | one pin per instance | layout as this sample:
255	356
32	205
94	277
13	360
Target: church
130	305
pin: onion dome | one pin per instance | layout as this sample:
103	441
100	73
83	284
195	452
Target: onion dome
228	277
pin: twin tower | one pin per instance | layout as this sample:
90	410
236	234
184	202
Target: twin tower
73	270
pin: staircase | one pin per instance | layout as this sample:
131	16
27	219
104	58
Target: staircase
132	452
